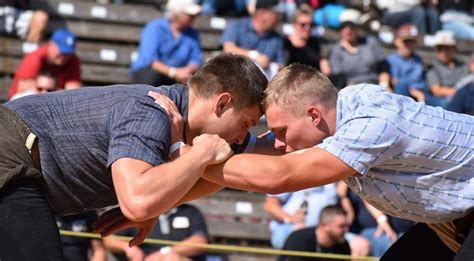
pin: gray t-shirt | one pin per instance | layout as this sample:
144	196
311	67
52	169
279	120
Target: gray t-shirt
362	67
82	132
442	74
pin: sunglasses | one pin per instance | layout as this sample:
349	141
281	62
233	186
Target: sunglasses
305	25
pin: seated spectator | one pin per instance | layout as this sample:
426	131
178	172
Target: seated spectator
256	37
358	59
327	237
301	46
296	210
169	51
446	70
77	248
406	67
398	12
45	82
184	223
17	18
463	100
57	58
381	230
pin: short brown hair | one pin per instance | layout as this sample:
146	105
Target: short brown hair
235	74
329	212
300	85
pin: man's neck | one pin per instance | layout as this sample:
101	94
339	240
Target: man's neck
193	126
331	116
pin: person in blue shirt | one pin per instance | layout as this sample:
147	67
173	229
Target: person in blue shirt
406	67
169	51
256	37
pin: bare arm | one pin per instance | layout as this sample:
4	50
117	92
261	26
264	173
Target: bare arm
231	47
145	192
118	246
190	251
72	85
99	253
345	201
26	85
277	174
382	222
442	91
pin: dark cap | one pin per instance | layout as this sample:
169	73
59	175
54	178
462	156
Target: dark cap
267	4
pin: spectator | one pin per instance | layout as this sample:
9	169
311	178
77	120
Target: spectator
288	214
17	18
57	58
446	69
184	223
45	82
463	100
406	67
327	237
358	59
301	209
169	51
381	230
396	13
301	46
256	37
77	248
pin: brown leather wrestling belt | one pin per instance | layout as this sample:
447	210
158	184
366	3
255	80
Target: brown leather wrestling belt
31	144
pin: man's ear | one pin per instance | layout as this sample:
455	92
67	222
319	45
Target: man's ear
222	102
315	114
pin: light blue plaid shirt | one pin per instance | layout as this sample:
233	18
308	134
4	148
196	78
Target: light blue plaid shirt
414	161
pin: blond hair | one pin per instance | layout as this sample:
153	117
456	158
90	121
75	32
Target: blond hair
300	85
304	9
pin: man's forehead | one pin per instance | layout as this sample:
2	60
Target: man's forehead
276	116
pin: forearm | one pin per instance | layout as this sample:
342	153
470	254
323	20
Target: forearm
72	85
273	207
26	85
442	91
417	94
99	253
161	67
191	251
115	245
151	191
277	174
200	189
233	48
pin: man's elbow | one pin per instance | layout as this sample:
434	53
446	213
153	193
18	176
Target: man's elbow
136	210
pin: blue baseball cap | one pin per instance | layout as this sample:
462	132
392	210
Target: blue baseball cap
65	40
